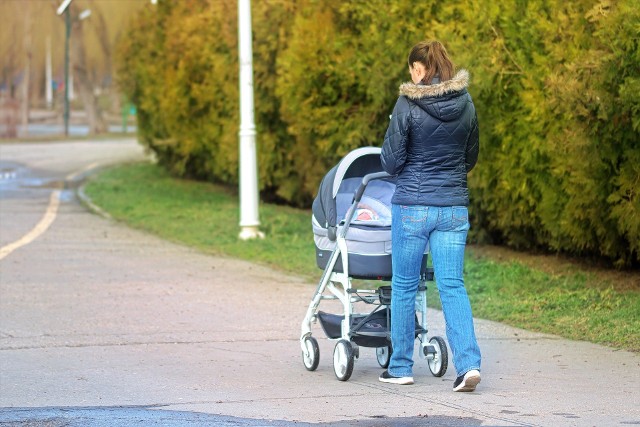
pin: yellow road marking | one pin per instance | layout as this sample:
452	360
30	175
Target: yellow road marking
41	227
45	222
74	175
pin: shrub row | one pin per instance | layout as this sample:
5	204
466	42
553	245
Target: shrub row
556	86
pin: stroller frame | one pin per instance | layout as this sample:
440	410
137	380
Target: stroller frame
334	285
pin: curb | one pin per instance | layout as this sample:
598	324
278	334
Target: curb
88	203
80	182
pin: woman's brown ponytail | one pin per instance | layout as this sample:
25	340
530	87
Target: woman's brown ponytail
433	55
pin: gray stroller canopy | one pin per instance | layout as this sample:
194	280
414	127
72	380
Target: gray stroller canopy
356	164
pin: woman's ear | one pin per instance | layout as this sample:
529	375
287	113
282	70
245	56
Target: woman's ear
418	71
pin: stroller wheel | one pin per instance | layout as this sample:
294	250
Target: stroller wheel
438	361
383	354
343	359
311	357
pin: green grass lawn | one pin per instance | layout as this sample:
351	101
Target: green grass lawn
205	216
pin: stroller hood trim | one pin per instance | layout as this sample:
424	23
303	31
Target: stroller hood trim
346	162
324	205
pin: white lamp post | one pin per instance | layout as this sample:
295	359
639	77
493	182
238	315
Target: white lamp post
249	221
48	90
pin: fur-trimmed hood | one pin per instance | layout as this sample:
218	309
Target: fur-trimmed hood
445	100
416	91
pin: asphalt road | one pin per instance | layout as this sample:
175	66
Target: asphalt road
104	325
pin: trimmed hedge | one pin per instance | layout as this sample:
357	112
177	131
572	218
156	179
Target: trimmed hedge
555	83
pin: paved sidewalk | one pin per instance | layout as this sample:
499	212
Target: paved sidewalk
104	325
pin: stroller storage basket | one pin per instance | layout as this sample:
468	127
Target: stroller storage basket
367	330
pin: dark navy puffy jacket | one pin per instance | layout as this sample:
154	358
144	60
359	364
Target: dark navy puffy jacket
432	142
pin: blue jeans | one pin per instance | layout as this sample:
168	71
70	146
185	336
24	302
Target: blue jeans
445	230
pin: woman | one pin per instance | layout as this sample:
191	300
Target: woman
431	144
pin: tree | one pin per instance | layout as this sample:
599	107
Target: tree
28	53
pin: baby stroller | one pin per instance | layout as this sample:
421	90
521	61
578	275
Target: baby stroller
352	233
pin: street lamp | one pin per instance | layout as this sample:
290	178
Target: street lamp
84	14
249	221
64	8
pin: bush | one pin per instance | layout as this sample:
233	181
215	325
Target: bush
555	84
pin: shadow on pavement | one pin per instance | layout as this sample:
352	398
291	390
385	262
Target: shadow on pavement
155	416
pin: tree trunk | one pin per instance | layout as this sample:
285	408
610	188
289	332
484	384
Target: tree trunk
26	80
85	84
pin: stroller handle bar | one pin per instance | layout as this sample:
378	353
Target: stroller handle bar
358	196
365	181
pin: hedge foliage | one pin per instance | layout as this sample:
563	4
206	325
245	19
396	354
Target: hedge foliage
556	86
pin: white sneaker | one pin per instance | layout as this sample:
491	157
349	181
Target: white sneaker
386	377
467	382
